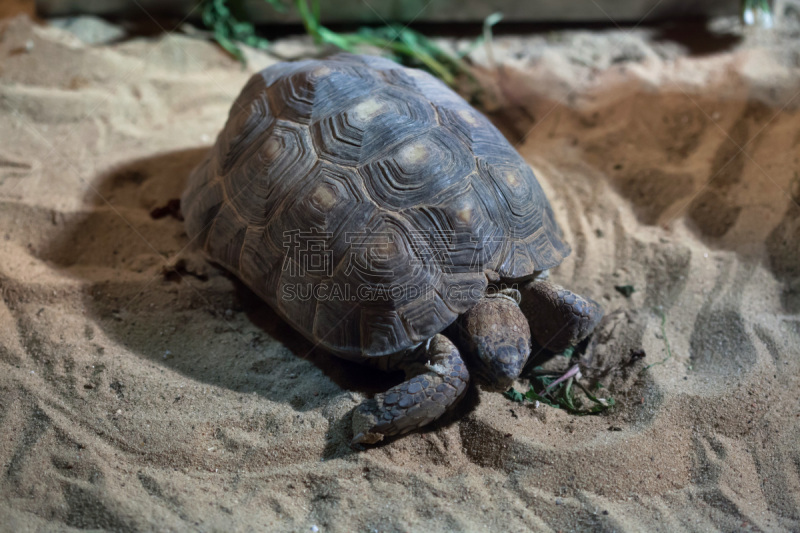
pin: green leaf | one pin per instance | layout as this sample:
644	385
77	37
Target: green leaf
229	46
563	396
228	30
492	19
488	22
514	395
568	395
625	290
402	43
532	396
600	404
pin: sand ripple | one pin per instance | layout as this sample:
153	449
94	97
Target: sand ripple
143	388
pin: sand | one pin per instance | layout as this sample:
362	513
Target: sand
141	388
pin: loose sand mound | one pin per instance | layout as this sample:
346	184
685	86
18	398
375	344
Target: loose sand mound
141	392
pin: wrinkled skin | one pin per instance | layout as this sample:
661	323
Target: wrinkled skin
559	318
495	335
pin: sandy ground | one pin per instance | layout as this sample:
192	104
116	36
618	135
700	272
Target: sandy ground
138	398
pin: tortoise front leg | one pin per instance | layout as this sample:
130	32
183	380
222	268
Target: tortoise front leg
417	401
558	317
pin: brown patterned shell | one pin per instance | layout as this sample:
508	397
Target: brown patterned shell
408	192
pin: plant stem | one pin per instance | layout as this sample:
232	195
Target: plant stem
666	340
572	372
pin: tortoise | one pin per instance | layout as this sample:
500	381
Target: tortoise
389	222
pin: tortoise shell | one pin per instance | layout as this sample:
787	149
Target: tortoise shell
364	201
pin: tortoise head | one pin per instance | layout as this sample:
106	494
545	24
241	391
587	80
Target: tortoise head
497	338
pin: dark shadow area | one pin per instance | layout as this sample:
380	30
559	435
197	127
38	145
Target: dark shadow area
177	310
696	37
783	245
348	375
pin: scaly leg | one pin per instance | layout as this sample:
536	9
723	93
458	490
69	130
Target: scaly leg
558	317
417	401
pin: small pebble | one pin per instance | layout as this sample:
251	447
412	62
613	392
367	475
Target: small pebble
314	529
